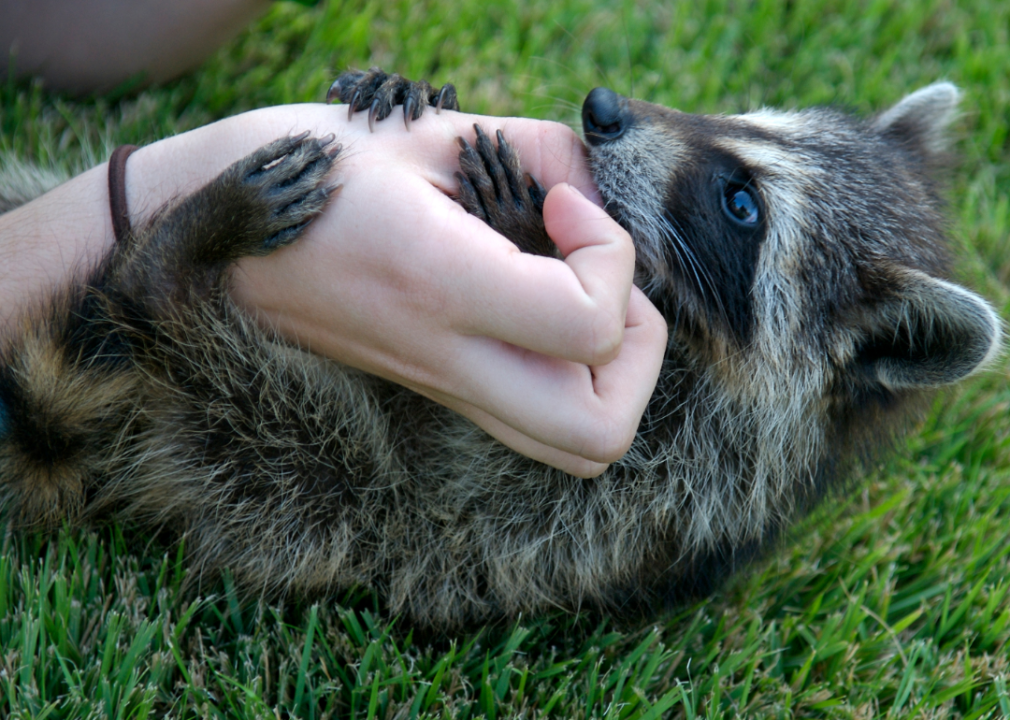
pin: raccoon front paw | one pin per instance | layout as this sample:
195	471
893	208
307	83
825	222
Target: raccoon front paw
286	180
260	203
380	92
493	186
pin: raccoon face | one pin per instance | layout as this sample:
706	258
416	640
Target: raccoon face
809	242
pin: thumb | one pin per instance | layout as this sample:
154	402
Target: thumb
601	255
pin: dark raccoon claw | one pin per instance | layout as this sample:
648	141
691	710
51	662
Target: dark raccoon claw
538	193
447	98
409	105
334	92
353	104
380	92
493	187
284	184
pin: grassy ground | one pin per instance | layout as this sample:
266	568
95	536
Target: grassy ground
894	603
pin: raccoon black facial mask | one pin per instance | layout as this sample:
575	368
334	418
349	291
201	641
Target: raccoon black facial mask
798	257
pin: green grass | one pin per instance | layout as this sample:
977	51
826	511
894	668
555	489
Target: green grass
895	603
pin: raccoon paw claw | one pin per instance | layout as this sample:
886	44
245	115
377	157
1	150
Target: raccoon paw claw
447	98
409	107
284	237
379	92
286	178
351	105
372	112
493	187
538	193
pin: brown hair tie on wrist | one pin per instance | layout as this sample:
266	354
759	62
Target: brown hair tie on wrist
117	192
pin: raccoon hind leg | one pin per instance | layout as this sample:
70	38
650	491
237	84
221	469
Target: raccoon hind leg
256	206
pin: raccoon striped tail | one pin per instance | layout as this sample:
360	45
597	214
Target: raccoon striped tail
67	396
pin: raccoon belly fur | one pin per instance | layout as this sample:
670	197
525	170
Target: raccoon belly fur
800	261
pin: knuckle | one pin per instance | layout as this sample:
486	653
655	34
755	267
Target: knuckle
607	335
561	130
618	447
586	469
611	441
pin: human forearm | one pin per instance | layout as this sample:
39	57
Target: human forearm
45	242
69	229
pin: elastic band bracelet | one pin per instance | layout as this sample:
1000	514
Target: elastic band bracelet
117	192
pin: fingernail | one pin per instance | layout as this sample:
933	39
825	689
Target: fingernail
583	195
572	189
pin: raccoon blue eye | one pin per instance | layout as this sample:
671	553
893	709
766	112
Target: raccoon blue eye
740	205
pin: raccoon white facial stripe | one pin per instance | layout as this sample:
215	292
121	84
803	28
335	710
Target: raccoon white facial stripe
774	121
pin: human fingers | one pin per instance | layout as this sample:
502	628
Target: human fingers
404	264
393	260
483	320
516	440
625	385
589	412
572	310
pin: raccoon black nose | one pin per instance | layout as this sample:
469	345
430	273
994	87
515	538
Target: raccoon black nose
604	116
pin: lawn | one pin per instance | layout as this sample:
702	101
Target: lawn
894	603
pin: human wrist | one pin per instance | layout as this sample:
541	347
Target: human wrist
176	166
45	242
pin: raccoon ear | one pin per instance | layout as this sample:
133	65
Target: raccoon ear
929	333
920	120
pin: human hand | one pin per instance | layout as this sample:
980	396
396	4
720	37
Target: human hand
555	359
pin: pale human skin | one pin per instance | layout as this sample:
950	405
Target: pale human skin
555	359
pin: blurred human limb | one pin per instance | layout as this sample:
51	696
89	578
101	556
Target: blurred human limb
84	46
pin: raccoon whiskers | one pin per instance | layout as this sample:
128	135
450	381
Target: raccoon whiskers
704	283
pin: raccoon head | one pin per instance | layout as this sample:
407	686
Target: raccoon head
801	250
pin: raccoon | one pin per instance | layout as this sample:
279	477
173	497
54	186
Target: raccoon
799	258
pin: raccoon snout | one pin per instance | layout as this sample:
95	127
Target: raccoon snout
604	116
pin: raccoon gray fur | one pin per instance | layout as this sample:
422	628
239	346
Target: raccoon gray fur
799	258
21	182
